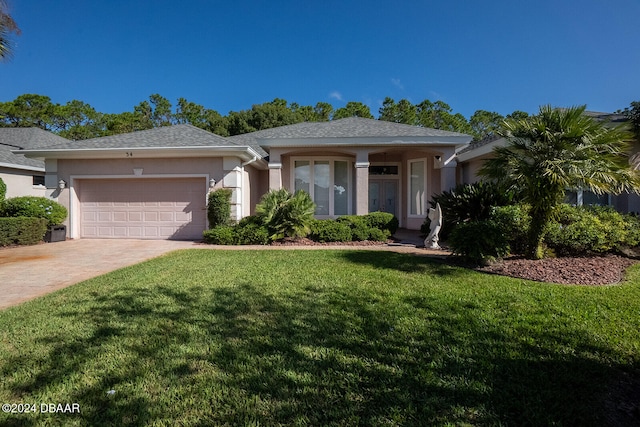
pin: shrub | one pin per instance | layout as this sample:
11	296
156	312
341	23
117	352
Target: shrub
382	221
328	230
479	241
285	214
3	190
22	230
593	229
251	233
467	202
220	235
360	230
219	207
514	222
35	207
377	235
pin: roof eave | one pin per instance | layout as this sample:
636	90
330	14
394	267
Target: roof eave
244	152
434	141
21	167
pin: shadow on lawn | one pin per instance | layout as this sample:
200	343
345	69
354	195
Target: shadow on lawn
239	355
409	263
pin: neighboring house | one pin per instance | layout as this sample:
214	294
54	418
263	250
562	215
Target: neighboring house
153	183
24	176
471	158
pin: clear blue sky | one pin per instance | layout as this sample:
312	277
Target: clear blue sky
497	55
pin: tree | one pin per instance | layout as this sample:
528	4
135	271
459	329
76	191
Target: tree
7	27
78	120
29	110
485	124
353	109
556	150
402	112
632	113
439	115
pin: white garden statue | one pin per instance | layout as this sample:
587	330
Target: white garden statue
435	216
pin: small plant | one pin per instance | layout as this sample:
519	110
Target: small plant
285	214
377	235
468	202
220	235
328	230
251	232
382	221
35	207
219	207
514	222
479	242
3	190
360	230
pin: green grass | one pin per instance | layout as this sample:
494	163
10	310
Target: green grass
206	337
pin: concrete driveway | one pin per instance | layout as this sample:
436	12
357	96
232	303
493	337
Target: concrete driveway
28	272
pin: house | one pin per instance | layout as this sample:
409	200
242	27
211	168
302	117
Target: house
471	158
153	184
24	176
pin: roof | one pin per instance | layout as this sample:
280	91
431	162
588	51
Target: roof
12	139
352	127
166	136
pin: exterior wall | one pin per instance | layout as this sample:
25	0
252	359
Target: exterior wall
65	169
256	184
20	182
469	171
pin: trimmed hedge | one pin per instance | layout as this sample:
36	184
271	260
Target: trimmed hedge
34	207
220	235
479	241
22	230
328	230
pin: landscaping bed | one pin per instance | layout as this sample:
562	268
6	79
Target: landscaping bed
594	270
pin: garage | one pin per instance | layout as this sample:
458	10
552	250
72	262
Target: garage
142	208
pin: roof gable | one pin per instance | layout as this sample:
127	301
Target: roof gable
12	139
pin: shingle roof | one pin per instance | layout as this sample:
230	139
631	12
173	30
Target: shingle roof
166	136
352	127
22	139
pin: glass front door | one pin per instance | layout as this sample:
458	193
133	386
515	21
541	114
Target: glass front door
383	196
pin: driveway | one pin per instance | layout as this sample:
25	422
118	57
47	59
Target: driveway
28	272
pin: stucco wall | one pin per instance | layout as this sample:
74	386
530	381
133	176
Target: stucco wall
20	183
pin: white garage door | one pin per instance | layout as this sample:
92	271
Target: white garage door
143	208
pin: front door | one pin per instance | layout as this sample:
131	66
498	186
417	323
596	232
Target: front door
383	196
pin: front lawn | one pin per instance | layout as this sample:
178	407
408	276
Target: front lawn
205	337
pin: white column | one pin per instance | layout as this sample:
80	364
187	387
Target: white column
362	188
232	167
275	176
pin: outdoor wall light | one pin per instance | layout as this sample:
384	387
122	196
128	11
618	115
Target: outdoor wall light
212	183
62	184
438	158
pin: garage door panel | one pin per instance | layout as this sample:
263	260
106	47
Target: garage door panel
143	208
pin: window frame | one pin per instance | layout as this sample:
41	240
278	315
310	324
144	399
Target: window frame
425	163
331	160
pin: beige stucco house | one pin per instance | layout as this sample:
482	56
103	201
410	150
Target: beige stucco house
153	184
24	176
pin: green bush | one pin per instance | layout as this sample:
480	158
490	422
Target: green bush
219	207
285	214
360	230
479	241
467	202
221	235
3	190
377	235
251	233
514	221
382	221
35	207
22	230
593	229
328	230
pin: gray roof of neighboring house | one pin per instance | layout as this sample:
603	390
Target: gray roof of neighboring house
12	139
352	127
166	136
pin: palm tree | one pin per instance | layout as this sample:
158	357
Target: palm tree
7	26
556	150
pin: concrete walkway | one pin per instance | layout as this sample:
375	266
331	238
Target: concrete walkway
28	272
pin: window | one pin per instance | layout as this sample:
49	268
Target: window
417	187
327	182
38	180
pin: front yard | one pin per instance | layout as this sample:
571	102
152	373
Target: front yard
203	337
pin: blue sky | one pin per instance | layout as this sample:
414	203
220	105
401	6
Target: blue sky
494	55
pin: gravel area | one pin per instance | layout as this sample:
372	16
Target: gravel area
596	270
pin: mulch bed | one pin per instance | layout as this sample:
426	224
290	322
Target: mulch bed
593	270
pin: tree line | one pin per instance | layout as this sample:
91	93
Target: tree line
77	120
